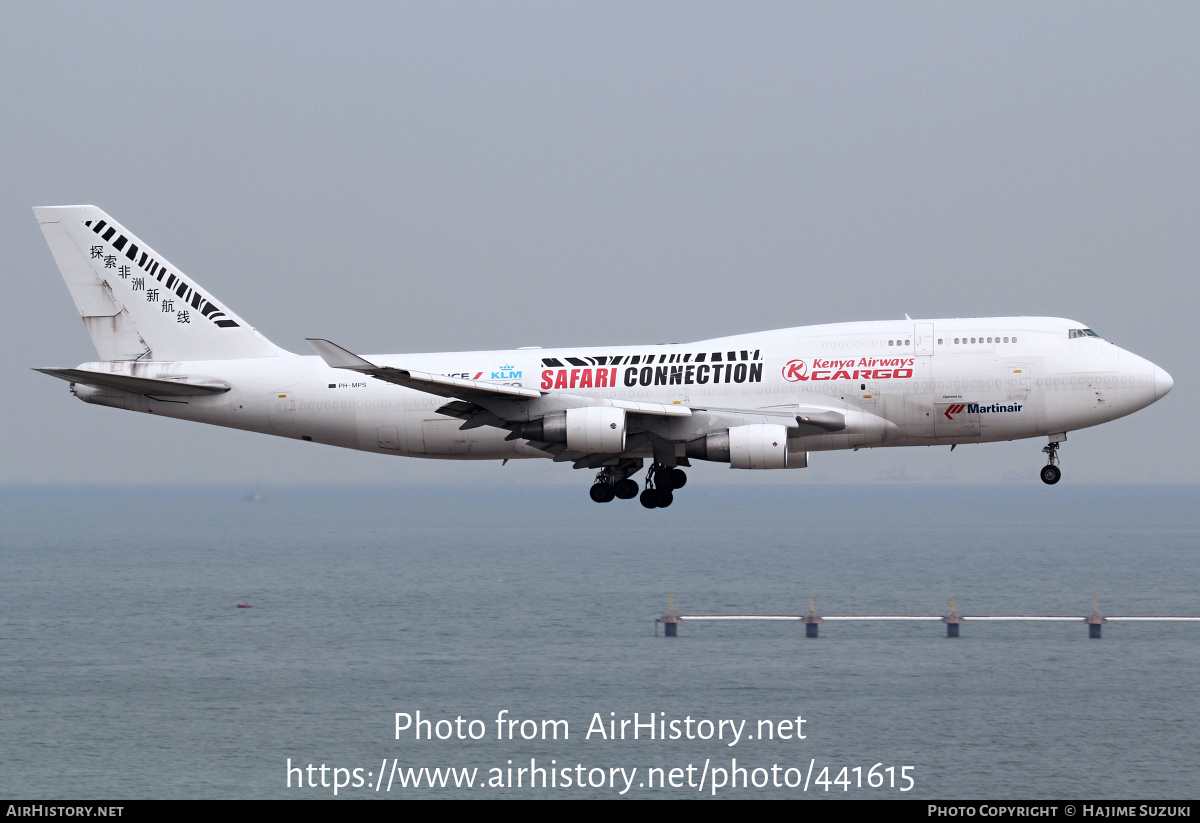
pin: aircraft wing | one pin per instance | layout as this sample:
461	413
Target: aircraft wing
338	358
473	390
664	426
138	385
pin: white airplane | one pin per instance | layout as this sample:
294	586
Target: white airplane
754	401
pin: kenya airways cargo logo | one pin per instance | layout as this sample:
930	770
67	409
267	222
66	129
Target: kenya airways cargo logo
794	370
865	368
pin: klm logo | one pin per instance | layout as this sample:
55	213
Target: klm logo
506	373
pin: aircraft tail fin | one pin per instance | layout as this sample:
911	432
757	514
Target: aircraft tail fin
135	304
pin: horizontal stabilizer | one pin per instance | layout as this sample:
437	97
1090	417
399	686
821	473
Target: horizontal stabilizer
138	385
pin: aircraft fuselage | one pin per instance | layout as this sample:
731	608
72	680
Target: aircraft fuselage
753	401
902	383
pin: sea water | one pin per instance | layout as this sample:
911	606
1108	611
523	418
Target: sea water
128	671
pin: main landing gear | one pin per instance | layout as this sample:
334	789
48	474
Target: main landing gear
615	482
661	481
604	489
1051	473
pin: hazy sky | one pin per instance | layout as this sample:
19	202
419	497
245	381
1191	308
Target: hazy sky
427	177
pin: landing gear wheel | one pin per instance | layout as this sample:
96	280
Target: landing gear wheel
627	489
602	492
1050	472
660	481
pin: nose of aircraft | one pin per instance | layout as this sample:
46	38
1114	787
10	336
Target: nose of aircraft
1162	383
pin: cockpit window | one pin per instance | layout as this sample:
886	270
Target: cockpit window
1073	333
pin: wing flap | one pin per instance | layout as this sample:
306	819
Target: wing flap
658	409
814	417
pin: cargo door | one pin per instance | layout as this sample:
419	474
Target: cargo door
284	408
389	438
1017	380
923	339
955	420
868	395
414	432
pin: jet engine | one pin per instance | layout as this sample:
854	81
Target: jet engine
590	429
757	446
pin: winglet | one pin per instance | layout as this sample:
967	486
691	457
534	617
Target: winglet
336	357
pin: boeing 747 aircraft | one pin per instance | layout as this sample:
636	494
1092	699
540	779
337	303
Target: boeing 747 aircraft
752	401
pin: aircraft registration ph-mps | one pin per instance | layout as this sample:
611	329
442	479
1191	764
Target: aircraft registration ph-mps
754	401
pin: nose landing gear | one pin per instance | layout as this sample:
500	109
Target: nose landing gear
1051	473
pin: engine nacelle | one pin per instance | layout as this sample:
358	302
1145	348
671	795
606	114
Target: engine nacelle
590	429
596	429
757	446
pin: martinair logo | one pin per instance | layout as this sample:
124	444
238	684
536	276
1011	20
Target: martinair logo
975	408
